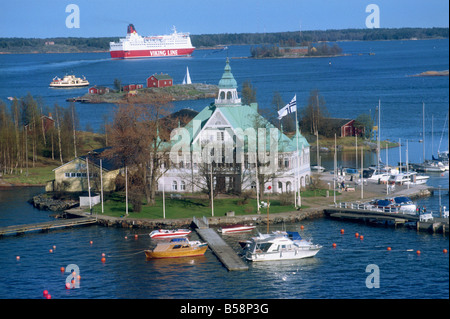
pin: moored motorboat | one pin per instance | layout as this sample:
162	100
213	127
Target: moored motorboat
176	248
279	247
236	228
169	233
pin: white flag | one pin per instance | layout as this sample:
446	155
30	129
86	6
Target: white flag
289	108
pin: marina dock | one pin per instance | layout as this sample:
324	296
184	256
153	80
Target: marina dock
360	212
46	226
225	253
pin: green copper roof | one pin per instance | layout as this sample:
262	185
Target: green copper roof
227	80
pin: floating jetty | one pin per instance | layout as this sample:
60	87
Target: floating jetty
361	212
46	226
225	253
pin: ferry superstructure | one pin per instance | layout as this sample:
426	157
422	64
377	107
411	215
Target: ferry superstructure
136	46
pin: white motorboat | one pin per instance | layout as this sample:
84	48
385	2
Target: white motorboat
380	174
169	233
405	205
237	228
408	178
279	247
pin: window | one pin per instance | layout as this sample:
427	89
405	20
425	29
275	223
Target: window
182	186
174	186
220	136
286	162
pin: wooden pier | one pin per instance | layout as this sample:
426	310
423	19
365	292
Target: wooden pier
46	226
225	253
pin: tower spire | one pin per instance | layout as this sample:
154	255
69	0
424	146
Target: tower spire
227	95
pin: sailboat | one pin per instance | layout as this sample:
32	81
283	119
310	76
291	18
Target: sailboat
187	77
427	165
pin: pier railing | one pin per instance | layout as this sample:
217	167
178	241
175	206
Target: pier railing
366	207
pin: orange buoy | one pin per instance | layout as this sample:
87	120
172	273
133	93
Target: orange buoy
54	247
418	252
126	237
103	259
302	227
389	248
342	231
103	254
444	251
62	269
18	257
91	242
356	234
50	250
334	245
361	237
68	286
78	277
136	236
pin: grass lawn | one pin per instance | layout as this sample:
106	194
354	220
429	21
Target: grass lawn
36	176
187	207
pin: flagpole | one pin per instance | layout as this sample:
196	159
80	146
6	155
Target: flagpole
299	201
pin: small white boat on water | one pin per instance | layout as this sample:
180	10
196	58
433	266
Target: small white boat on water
169	233
237	228
278	246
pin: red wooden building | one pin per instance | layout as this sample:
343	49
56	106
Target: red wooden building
159	80
132	87
98	90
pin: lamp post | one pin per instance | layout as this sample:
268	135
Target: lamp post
268	205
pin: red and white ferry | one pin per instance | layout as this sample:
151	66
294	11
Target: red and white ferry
136	46
169	233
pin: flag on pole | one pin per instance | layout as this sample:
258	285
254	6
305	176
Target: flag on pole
289	108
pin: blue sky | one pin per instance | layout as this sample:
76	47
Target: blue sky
98	18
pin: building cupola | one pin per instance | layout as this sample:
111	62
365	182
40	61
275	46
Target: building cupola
228	95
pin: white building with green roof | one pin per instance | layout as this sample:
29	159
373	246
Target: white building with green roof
237	147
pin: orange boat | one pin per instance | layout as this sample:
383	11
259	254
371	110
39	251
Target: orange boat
176	248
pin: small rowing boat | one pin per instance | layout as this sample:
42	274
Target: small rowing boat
237	228
169	233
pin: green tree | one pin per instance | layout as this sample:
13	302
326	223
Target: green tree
364	122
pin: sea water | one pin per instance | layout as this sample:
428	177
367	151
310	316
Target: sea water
350	85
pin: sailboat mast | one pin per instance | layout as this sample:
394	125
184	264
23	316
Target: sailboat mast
423	130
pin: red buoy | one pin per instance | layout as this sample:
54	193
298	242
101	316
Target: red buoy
48	296
45	293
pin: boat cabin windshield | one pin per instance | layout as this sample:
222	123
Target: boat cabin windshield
264	247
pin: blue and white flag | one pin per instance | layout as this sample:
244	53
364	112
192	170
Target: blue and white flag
289	108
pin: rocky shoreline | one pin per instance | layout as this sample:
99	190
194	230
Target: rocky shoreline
43	202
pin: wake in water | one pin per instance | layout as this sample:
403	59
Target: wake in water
59	66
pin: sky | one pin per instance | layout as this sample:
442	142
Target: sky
102	18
